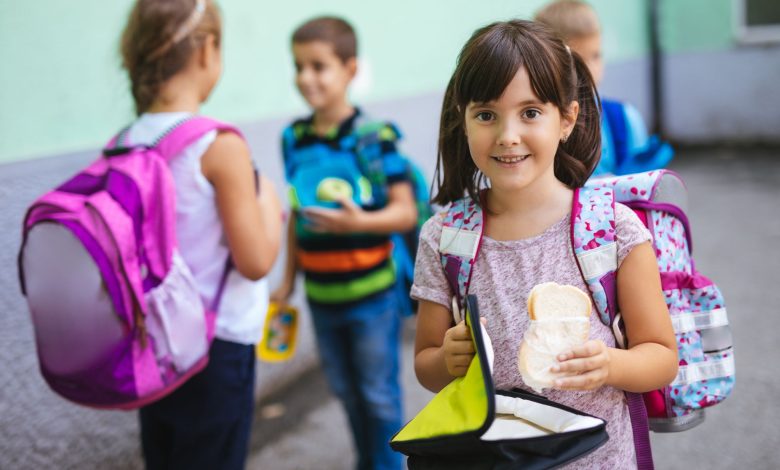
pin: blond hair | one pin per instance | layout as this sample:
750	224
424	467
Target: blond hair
159	39
571	19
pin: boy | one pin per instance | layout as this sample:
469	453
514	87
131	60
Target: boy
349	190
626	147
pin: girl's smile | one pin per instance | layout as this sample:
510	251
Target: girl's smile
510	160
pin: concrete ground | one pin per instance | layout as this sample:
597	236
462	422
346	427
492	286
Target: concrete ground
735	218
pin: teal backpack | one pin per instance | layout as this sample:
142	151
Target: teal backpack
369	181
369	136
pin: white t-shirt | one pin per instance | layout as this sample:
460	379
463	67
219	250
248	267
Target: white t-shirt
202	242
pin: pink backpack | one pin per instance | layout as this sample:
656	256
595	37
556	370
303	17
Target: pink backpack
118	319
659	198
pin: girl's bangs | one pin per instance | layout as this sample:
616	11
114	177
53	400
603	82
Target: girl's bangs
487	69
490	63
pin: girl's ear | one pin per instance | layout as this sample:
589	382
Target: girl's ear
569	119
208	51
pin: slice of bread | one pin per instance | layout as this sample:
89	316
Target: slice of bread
560	317
553	300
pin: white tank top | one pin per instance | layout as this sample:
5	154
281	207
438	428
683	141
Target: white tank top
201	239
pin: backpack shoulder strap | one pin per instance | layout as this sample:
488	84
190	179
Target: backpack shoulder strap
367	138
461	238
593	240
187	131
616	118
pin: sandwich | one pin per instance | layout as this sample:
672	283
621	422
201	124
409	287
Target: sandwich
560	320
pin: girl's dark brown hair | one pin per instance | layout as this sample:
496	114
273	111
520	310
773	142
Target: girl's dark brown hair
488	62
151	51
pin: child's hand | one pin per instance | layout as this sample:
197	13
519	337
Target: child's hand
590	362
281	294
458	349
344	220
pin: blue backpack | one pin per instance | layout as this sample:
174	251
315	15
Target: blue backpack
368	178
626	146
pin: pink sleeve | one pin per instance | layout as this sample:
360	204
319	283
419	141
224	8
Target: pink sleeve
429	281
629	231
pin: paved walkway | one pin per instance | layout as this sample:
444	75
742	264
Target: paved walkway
735	215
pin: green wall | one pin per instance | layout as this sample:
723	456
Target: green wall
693	25
62	89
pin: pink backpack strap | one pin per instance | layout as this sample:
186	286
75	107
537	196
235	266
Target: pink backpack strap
461	238
185	132
118	141
593	239
175	139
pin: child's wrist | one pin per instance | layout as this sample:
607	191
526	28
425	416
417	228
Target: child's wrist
360	223
612	371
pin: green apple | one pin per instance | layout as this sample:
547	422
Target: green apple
333	189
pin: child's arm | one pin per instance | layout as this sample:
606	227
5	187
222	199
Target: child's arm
441	351
252	223
272	215
399	215
650	362
285	289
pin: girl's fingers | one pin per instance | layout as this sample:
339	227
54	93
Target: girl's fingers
587	381
460	332
587	349
461	347
584	364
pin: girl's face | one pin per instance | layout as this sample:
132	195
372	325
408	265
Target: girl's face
513	139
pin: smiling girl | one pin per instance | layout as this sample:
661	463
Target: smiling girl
519	132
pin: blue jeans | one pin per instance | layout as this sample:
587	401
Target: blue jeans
359	350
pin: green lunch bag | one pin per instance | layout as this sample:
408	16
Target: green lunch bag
470	425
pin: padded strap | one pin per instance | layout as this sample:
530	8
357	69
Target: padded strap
593	241
186	132
462	232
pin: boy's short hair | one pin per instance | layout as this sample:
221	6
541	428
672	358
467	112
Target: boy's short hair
332	30
570	19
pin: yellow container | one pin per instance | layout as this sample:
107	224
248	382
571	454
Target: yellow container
279	334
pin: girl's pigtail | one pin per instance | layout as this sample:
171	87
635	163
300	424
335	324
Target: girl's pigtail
455	169
584	142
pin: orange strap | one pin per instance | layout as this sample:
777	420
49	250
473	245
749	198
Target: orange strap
344	261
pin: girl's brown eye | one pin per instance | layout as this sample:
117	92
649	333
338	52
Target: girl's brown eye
532	114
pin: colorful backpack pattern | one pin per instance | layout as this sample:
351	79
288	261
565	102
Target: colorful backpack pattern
696	306
706	374
118	319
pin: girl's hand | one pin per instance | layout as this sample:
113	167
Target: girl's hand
458	349
281	294
345	220
590	361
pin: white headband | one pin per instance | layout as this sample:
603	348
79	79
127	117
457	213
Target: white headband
184	30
